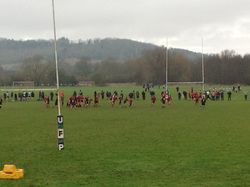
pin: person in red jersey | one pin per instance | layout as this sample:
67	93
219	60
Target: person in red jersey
113	99
130	99
46	100
81	99
168	99
62	97
163	97
153	97
78	101
195	97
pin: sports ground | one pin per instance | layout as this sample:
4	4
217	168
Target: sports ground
180	145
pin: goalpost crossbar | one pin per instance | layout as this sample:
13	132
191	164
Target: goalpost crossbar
27	89
185	83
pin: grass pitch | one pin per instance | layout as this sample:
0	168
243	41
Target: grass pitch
180	145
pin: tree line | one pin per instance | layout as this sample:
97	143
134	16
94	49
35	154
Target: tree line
224	68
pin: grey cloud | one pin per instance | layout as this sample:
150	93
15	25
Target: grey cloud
147	20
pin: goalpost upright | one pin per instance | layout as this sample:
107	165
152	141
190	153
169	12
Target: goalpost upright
60	128
166	83
202	66
202	70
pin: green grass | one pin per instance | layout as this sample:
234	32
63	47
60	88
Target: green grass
180	145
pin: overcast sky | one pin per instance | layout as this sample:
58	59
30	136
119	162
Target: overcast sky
224	24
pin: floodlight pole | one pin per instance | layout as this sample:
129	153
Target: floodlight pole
166	83
60	129
202	66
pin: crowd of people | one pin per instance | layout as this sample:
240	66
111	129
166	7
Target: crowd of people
18	96
79	99
115	98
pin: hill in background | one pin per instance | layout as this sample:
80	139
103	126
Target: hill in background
13	52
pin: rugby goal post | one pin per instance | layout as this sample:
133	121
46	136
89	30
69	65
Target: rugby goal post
29	85
202	82
23	84
18	86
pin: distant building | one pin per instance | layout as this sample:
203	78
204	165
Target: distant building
121	84
86	83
